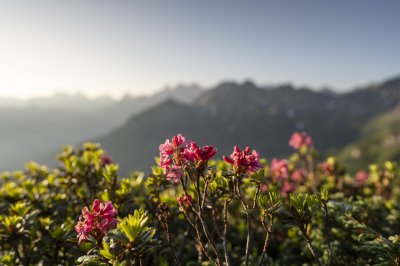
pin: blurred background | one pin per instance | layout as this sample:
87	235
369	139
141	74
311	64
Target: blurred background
129	74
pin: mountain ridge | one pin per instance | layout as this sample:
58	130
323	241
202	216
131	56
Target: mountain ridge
37	131
246	114
228	114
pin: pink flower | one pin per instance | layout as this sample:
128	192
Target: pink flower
97	222
298	175
174	172
178	140
105	160
300	139
171	158
287	187
185	201
198	155
361	177
279	169
327	168
264	188
85	225
244	162
174	154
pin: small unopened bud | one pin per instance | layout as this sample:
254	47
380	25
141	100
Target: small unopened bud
163	207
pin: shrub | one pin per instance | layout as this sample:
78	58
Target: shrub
195	210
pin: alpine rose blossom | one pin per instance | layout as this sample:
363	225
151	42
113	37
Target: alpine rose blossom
298	175
279	169
175	154
244	162
327	168
198	155
361	177
96	223
287	187
185	201
171	158
178	140
300	139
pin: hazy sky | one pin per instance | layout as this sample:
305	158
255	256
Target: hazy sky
140	46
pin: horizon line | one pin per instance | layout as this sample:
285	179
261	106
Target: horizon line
119	96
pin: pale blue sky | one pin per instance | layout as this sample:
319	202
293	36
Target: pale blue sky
138	47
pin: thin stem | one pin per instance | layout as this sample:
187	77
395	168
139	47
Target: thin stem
248	238
267	237
248	221
309	245
198	235
166	230
216	227
209	239
204	195
199	214
256	196
199	251
265	247
239	194
192	223
227	259
183	185
203	224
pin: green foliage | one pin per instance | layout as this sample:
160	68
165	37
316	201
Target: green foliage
130	241
326	217
384	252
270	202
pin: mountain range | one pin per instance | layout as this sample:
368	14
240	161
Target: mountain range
354	125
36	129
263	118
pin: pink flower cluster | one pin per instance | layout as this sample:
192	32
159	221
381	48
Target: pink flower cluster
298	175
174	154
185	201
361	177
327	168
287	187
96	223
170	157
197	155
279	169
244	162
300	139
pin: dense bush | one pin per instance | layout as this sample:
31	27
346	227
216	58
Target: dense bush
192	210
